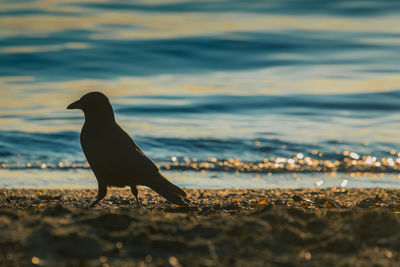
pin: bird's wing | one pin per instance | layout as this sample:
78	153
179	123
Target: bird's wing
130	157
114	153
133	164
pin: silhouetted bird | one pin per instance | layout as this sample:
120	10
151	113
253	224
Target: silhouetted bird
114	157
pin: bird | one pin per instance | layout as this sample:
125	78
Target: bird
115	159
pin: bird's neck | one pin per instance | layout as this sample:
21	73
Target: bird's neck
100	120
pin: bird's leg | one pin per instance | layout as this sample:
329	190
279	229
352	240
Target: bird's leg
135	193
101	193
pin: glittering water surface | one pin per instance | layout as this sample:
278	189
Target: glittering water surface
218	93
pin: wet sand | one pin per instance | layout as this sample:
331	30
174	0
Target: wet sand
235	227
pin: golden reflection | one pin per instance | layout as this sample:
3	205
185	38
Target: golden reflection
366	166
10	79
213	83
42	48
146	25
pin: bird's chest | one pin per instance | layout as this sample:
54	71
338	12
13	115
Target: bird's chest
103	151
97	146
93	140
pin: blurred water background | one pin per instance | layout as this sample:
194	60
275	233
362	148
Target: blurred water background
218	93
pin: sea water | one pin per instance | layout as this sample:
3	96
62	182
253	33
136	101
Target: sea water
218	93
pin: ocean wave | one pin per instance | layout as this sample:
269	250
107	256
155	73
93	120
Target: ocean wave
18	146
342	8
302	104
110	57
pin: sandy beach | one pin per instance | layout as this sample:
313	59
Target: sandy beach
235	227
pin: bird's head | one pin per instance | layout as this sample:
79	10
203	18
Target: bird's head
94	105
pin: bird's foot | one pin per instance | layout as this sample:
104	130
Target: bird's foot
139	204
94	203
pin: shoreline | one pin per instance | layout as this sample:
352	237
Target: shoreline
223	227
85	179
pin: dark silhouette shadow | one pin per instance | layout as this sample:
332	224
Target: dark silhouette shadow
114	157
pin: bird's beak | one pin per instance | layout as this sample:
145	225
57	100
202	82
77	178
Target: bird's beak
76	105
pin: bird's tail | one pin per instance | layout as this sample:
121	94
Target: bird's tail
169	191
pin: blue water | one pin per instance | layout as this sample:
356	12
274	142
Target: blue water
211	91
